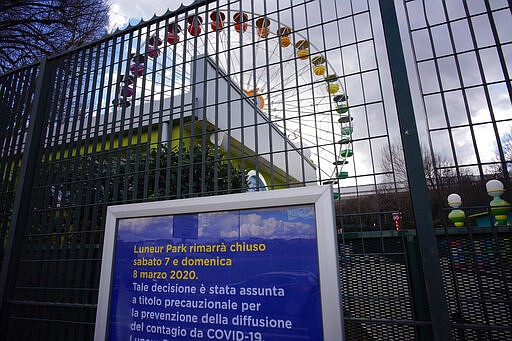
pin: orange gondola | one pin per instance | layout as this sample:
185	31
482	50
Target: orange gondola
240	19
283	33
251	93
262	25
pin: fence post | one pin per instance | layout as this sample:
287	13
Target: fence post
415	172
22	202
417	286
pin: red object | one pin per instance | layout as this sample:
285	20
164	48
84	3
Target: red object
153	52
173	38
195	25
217	26
217	20
175	28
140	69
263	32
240	19
155	41
243	27
194	30
397	217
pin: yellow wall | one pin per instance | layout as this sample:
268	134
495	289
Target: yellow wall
249	163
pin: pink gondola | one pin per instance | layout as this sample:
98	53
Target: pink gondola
172	35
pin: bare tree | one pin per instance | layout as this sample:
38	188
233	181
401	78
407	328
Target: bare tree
438	172
30	29
501	167
442	178
439	177
506	143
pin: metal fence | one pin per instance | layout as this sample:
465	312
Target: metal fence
395	107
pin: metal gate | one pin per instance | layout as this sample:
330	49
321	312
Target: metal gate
395	107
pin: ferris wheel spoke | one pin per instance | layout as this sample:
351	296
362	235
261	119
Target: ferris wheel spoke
291	77
253	61
268	57
221	40
303	131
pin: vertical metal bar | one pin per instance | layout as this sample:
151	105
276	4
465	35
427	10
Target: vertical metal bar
47	204
128	124
180	137
231	12
160	125
82	136
86	235
418	189
12	137
19	97
82	247
242	71
130	111
98	157
170	168
22	201
270	125
314	113
195	79
284	99
215	149
203	107
149	119
506	74
254	100
104	158
116	154
414	271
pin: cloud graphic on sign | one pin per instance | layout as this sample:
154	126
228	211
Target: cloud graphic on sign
219	225
147	228
257	226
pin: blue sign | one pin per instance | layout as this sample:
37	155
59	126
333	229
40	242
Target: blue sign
242	275
258	266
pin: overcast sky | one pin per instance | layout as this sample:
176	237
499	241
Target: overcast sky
124	11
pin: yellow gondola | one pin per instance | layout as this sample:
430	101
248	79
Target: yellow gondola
303	49
319	69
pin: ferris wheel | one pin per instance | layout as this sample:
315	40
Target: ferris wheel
293	83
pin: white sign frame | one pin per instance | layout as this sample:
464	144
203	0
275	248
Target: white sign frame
319	196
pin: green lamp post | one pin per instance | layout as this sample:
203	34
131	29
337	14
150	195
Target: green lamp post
456	216
499	207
